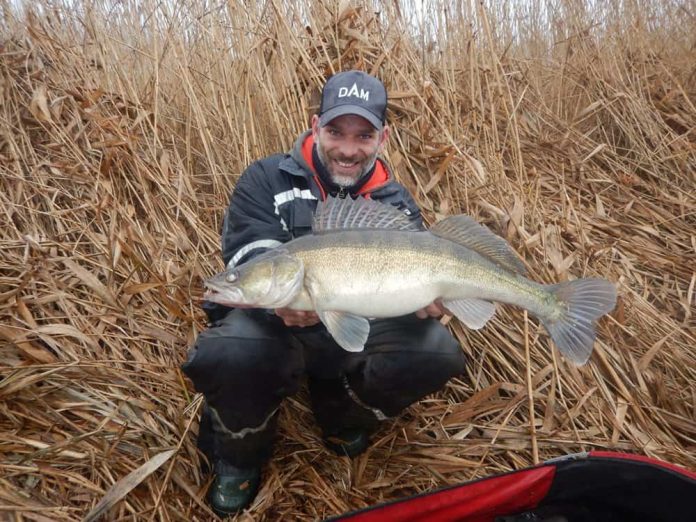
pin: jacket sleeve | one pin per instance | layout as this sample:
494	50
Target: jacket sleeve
402	199
409	207
251	225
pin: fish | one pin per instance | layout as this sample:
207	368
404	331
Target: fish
367	260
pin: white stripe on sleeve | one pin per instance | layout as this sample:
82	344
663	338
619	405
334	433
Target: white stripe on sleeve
284	197
261	243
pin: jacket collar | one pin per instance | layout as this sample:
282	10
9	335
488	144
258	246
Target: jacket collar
298	163
295	163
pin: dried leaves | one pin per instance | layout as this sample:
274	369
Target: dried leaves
115	164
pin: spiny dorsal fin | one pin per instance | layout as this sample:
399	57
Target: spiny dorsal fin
464	230
341	214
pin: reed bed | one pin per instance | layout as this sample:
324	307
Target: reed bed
566	127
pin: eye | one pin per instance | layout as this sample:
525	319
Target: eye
231	277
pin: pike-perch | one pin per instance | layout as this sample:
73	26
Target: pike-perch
365	259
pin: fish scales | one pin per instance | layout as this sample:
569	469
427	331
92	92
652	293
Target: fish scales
394	268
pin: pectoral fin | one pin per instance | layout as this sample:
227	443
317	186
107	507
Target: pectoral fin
348	330
474	313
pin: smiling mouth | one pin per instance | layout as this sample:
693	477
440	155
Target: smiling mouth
348	165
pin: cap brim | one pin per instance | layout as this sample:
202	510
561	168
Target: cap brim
342	110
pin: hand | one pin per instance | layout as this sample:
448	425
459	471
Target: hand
435	309
297	317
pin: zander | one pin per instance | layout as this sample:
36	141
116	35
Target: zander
366	259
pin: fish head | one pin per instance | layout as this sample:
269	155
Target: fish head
271	280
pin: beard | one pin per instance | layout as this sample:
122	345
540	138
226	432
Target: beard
345	181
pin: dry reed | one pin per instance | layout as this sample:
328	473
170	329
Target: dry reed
567	127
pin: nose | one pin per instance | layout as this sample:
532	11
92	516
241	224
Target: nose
348	148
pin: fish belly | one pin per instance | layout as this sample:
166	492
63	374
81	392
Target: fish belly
371	300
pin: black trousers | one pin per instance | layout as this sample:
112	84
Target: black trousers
248	361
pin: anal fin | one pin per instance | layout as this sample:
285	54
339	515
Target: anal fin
474	313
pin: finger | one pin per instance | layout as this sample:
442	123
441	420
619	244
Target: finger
286	313
301	319
436	311
422	313
443	309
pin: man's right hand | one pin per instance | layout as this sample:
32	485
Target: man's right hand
297	317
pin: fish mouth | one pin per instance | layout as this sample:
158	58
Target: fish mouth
209	293
225	296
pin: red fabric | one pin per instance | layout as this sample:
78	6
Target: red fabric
379	177
307	152
647	460
479	501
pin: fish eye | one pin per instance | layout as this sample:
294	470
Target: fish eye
231	277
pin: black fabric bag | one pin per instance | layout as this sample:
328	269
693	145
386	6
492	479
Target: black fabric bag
595	486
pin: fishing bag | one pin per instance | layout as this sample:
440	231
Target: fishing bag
586	487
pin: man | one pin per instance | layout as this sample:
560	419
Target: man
249	360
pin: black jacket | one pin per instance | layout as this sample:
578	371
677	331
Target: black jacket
275	199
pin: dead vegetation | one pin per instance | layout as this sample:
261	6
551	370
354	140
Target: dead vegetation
567	129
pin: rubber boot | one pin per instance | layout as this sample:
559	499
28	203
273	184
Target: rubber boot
233	489
348	443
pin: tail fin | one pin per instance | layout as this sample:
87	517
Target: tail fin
583	301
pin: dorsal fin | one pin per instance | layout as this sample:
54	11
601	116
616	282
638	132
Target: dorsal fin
464	230
342	214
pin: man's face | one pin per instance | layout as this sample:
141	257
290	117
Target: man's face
348	147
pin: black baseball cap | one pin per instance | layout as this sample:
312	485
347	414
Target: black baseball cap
354	92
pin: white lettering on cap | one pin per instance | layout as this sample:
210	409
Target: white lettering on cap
344	92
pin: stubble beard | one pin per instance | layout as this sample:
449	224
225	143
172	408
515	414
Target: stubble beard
345	181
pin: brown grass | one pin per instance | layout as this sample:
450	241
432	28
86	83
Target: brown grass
569	131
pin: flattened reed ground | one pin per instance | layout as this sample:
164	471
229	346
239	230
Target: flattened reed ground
569	132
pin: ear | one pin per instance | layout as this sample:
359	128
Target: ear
315	126
384	137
